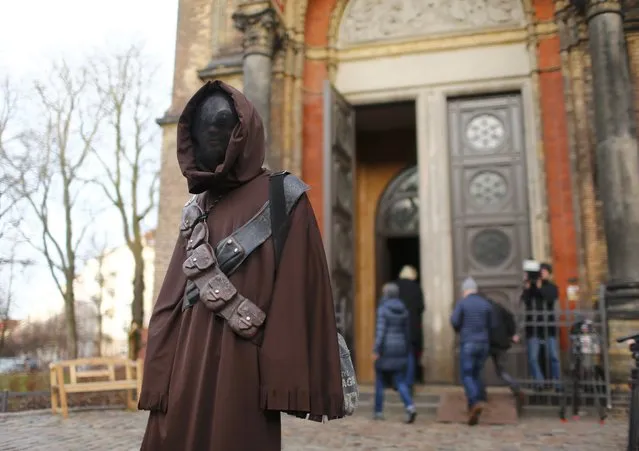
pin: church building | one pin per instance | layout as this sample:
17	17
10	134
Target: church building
459	136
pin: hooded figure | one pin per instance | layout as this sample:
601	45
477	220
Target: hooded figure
208	388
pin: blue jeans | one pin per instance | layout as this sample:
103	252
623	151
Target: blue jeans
472	359
410	369
552	353
399	382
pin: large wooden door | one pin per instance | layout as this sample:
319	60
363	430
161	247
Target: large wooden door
490	223
339	206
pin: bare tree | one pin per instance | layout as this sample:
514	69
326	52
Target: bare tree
47	174
6	298
8	198
124	81
102	279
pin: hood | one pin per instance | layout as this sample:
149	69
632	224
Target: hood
244	154
395	307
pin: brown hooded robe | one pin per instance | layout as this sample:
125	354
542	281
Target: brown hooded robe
207	388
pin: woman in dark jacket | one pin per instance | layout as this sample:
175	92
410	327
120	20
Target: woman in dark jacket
411	295
391	351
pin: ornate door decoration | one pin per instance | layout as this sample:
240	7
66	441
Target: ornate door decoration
398	213
339	204
491	232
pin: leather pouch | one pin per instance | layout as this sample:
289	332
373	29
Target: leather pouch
201	259
246	319
198	236
218	292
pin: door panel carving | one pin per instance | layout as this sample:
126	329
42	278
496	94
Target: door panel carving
339	203
489	200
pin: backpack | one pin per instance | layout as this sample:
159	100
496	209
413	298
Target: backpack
503	326
280	225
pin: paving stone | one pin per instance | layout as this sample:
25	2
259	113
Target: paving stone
115	430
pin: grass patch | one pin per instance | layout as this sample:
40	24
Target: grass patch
25	382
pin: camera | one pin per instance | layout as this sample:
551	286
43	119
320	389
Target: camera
532	268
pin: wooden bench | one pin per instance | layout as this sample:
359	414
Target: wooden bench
93	375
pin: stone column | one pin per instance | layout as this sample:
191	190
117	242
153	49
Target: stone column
259	23
617	156
617	150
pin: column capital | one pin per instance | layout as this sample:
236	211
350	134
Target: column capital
630	9
592	8
260	24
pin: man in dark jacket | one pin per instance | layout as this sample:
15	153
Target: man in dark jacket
411	295
503	335
539	297
472	319
392	347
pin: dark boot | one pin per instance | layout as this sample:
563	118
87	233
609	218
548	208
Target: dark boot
475	413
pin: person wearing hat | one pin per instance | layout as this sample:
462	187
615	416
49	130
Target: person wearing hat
472	320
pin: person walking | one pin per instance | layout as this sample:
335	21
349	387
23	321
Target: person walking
391	351
502	335
411	295
472	319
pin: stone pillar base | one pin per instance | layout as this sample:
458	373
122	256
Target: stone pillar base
622	305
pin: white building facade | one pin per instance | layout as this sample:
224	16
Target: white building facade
116	271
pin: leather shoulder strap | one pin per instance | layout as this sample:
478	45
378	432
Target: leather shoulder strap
234	249
279	222
284	192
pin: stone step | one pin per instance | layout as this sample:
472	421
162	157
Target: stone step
428	398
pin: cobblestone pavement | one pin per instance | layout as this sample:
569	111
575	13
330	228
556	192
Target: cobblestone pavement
118	430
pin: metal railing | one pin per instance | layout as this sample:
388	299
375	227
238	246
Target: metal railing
33	399
562	357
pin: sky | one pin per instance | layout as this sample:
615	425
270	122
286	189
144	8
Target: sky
35	32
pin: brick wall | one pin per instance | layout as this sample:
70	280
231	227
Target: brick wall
315	72
556	156
592	219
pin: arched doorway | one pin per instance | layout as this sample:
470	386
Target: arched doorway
358	42
397	226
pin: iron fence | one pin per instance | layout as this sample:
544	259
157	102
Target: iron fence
562	357
17	401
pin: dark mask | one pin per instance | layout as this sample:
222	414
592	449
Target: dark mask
215	119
